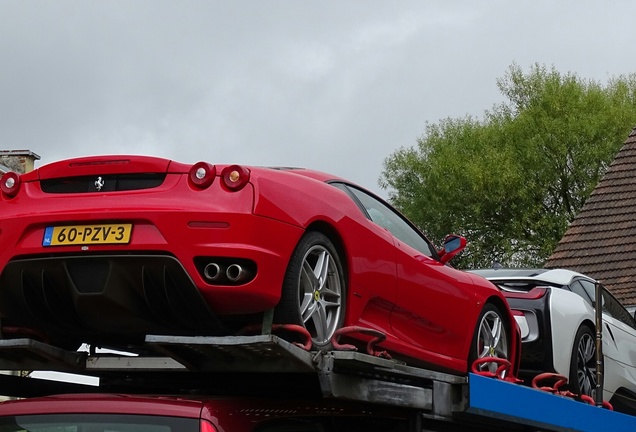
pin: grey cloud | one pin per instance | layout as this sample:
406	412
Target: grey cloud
331	85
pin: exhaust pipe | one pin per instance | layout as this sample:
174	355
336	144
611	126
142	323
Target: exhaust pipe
235	273
212	272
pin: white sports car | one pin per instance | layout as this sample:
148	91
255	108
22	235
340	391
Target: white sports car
555	311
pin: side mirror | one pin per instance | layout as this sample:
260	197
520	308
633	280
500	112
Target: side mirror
453	244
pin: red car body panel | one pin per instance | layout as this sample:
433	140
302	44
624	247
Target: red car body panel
428	310
103	404
224	414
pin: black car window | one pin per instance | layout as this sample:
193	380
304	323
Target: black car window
590	289
388	218
579	288
613	308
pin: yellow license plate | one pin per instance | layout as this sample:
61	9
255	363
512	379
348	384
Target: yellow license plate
87	234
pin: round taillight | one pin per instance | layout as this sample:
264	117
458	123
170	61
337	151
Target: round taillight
202	174
235	177
10	184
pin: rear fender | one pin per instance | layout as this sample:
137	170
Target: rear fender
568	312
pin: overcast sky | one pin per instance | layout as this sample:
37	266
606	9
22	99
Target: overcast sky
331	85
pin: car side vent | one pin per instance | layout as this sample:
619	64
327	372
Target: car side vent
105	183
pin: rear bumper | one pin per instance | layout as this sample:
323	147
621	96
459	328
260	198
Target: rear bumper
154	284
192	238
77	298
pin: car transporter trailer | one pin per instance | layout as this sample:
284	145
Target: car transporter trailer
264	364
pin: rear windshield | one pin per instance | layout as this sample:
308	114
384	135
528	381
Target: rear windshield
97	423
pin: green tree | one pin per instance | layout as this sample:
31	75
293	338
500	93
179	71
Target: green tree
512	181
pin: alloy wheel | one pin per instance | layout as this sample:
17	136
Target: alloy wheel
320	293
492	339
586	365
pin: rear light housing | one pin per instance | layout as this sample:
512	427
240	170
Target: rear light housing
235	177
10	184
206	426
534	294
202	175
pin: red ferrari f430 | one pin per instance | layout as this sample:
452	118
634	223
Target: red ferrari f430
107	249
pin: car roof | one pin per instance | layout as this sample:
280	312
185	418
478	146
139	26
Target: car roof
193	406
552	276
103	403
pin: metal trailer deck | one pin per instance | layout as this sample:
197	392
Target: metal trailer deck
266	364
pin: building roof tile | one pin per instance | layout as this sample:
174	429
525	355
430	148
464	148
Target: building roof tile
601	240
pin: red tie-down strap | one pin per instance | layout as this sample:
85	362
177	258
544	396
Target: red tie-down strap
290	328
378	337
540	382
559	381
591	401
503	371
307	344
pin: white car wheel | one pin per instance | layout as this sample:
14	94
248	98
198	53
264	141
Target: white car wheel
582	377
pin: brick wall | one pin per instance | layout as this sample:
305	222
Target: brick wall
20	161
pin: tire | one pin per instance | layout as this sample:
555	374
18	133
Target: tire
582	378
314	289
491	338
